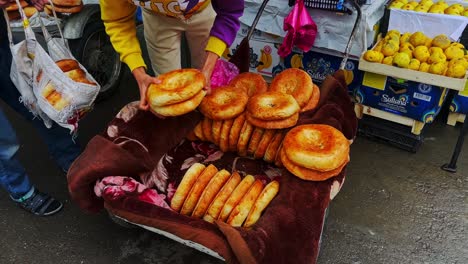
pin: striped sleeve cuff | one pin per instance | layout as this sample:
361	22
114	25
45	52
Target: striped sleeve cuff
216	46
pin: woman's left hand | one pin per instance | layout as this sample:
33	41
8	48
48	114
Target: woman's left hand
208	68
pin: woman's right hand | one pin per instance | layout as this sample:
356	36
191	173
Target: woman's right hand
144	81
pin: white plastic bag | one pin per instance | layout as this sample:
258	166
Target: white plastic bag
21	72
79	97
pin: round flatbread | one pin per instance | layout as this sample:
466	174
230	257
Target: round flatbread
197	189
218	202
263	200
185	185
236	197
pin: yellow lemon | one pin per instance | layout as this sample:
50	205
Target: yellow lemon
421	53
458	45
421	8
428	43
441	41
379	46
408	7
373	56
436	50
405	38
454	53
451	10
436	58
389	49
401	60
388	60
461	61
456	71
396	5
442	4
437	68
424	67
458	7
394	32
413	3
417	39
414	64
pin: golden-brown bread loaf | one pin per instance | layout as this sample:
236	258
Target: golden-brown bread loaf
272	150
207	127
242	209
245	134
263	200
29	11
270	106
197	189
181	108
14	7
236	196
308	174
275	124
235	132
54	98
216	129
186	185
65	9
255	140
295	82
218	202
264	143
251	83
224	103
213	187
67	3
224	138
317	147
176	86
199	131
314	100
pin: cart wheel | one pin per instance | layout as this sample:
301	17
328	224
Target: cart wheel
95	52
120	222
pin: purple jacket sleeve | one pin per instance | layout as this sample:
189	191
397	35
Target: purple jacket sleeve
227	21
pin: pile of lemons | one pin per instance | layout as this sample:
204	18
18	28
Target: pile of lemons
427	6
420	53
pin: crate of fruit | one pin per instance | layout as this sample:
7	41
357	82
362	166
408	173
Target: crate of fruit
416	57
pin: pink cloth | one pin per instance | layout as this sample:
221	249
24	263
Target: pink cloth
301	29
223	73
115	187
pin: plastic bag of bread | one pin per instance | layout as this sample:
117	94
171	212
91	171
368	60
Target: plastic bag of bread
21	73
65	91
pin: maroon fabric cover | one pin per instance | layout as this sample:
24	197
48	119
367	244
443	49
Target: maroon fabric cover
290	228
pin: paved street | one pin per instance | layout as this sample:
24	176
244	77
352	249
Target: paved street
395	207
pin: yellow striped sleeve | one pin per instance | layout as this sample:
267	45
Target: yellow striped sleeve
216	46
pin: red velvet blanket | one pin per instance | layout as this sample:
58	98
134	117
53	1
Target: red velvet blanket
135	145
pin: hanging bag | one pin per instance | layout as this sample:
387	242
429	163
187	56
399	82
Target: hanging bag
21	72
65	95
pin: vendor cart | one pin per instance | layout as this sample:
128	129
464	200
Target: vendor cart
125	149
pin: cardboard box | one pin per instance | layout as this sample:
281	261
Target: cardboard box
263	55
417	101
460	102
319	63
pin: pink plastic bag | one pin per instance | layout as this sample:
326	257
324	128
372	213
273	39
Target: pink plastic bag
223	73
301	29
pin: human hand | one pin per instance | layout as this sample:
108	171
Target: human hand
38	4
208	68
4	3
144	81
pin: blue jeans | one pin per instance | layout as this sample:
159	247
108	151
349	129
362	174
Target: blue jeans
59	141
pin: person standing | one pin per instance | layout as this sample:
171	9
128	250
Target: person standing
13	177
209	26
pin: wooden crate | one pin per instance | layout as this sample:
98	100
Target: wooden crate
453	118
411	75
416	126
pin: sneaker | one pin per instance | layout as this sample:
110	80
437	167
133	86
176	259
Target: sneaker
40	204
